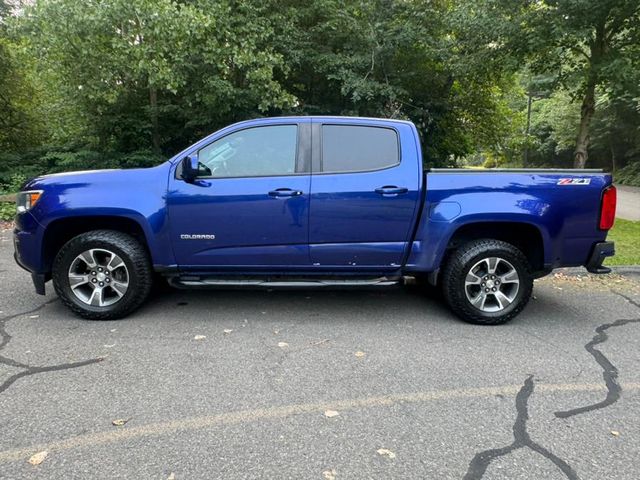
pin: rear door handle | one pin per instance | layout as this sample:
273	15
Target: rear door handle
391	190
284	192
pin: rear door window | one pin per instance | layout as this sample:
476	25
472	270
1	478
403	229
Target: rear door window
352	148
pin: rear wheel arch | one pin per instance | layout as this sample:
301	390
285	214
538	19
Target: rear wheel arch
526	237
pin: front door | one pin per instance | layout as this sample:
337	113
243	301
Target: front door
248	208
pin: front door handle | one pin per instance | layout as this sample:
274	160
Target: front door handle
391	190
284	192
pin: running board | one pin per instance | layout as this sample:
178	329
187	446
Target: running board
194	282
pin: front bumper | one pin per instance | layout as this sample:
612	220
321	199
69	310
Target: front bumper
27	254
601	250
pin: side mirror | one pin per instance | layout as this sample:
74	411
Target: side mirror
189	167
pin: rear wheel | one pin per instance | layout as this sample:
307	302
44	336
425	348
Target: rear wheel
102	275
487	282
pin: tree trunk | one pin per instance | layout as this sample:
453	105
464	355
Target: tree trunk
613	156
597	47
581	154
155	132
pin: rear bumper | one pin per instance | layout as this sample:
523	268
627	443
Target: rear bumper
601	250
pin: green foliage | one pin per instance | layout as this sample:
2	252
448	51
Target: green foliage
629	175
7	211
102	83
13	183
19	125
16	169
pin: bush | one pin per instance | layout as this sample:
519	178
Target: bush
15	169
629	175
490	163
7	211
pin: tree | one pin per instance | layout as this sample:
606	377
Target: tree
142	70
393	59
19	127
590	44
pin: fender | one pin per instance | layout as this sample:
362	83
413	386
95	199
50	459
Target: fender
137	195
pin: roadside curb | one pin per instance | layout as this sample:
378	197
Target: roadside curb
631	270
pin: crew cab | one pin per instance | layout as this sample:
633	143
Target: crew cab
310	202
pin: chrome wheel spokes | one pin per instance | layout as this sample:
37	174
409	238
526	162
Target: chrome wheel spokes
98	277
492	284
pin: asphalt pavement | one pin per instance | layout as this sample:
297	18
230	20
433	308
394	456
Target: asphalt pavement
628	206
321	384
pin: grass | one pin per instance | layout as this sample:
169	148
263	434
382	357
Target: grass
626	234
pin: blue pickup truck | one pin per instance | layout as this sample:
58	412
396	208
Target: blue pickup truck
310	202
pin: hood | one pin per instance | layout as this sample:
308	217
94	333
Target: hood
93	177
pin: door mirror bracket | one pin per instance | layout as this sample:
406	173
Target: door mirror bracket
189	168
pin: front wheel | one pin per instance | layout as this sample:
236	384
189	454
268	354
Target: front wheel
487	282
102	274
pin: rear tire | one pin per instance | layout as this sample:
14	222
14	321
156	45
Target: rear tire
102	275
487	282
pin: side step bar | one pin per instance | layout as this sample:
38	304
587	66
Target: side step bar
194	282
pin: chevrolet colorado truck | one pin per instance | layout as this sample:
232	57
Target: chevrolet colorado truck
310	202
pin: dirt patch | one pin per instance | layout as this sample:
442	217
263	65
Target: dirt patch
4	225
611	281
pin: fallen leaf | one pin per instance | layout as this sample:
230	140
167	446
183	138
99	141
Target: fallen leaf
199	337
331	413
283	344
329	474
615	433
388	453
227	331
38	458
120	422
359	354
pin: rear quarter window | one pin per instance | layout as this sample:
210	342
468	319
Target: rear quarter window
352	148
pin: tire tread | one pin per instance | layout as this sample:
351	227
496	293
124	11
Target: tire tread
457	265
137	255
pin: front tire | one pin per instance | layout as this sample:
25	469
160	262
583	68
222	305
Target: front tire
102	275
487	282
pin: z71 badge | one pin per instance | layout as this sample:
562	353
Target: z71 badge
574	181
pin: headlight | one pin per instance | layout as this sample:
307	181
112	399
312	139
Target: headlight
27	200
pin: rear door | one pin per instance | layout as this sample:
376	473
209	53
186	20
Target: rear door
248	209
364	193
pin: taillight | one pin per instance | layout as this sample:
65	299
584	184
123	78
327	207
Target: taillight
608	208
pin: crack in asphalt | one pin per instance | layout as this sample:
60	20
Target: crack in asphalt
609	370
521	439
5	338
